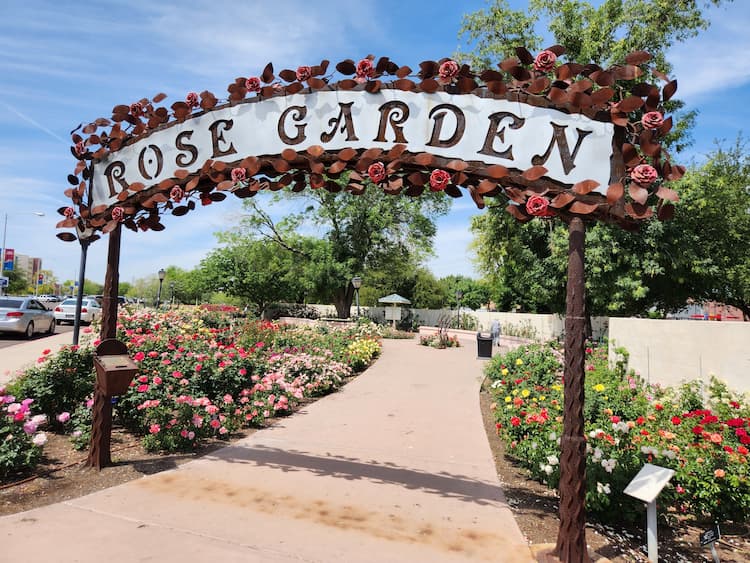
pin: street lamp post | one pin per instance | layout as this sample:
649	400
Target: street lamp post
5	232
357	283
162	275
85	238
171	299
459	295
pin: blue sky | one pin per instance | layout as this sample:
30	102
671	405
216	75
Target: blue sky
63	63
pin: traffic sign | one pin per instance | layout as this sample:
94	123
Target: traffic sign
4	281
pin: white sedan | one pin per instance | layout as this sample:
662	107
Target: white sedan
65	312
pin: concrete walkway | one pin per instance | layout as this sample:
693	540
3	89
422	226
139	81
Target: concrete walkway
16	358
394	467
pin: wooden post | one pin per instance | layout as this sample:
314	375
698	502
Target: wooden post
571	538
101	413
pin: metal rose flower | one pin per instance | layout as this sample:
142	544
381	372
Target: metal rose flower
239	175
447	72
69	212
80	148
252	84
118	213
192	100
376	172
136	109
365	70
652	120
545	61
644	174
176	194
538	206
439	180
304	73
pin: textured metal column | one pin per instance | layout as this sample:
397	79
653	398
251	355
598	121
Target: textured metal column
111	286
571	538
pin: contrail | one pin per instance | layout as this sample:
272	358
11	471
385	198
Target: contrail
36	124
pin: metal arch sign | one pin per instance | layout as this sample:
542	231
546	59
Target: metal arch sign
483	131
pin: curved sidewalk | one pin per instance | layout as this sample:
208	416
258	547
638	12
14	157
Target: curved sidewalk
17	357
394	467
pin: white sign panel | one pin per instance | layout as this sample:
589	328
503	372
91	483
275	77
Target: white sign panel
649	482
393	313
572	147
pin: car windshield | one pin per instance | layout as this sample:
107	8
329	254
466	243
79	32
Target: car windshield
69	302
11	303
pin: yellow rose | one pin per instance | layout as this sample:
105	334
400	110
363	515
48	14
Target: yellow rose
508	399
519	362
525	393
504	371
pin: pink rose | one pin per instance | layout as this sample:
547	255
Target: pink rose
192	100
439	180
117	214
154	429
69	212
364	70
238	175
652	120
545	61
447	72
644	174
63	417
177	194
80	148
136	109
252	84
304	73
537	205
376	171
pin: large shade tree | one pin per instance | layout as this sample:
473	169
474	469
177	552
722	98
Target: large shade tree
627	273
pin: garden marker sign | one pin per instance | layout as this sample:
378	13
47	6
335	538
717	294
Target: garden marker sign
551	138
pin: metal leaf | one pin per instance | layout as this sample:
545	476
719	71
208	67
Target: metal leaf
267	76
669	89
534	173
602	95
586	186
496	171
638	193
631	103
486	186
667	193
497	87
581	208
665	211
159	97
67	237
638	211
515	210
615	192
429	85
181	210
524	56
288	75
403	72
561	200
637	58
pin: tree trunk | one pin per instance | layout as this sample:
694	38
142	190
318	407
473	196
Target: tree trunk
343	301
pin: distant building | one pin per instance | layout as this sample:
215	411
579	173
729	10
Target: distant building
28	266
708	311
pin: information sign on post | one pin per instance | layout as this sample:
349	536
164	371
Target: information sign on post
646	486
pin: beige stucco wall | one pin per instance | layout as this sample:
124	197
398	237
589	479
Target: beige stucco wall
672	351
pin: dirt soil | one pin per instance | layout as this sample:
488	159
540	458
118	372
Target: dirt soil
62	476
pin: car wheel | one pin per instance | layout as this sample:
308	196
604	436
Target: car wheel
58	322
52	327
29	330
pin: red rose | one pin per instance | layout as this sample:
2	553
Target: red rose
545	61
117	214
742	450
676	420
238	175
652	120
538	206
439	180
80	148
447	72
376	172
615	419
252	84
697	430
136	109
515	421
304	73
364	70
644	174
658	407
192	100
177	194
69	212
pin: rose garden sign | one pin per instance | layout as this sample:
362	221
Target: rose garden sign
553	139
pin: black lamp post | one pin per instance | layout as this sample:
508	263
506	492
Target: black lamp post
357	283
162	275
171	299
459	295
85	237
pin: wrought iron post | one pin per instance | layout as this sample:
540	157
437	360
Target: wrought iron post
571	538
79	295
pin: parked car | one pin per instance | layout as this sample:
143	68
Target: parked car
65	312
25	315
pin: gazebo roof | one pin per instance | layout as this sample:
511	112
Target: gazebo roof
395	299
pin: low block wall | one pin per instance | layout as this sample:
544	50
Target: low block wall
672	351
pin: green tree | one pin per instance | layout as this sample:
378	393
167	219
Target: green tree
626	272
17	282
371	235
474	294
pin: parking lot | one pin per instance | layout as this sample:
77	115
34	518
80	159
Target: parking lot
8	339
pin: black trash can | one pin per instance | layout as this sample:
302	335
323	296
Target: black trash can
484	346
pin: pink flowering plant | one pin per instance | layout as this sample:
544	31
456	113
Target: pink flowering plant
21	440
702	432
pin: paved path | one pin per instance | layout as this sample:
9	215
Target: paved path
25	353
394	467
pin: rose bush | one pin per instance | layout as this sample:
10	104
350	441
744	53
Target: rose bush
701	433
20	441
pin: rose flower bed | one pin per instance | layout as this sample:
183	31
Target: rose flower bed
201	374
700	431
